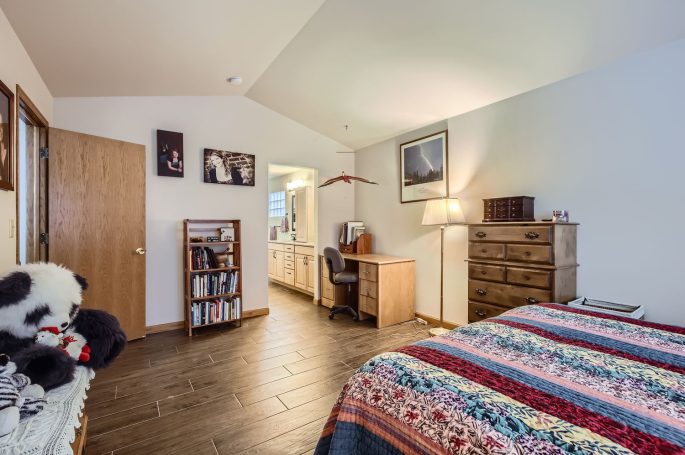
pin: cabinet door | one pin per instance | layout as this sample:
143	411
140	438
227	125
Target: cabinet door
301	209
279	265
272	263
300	271
311	273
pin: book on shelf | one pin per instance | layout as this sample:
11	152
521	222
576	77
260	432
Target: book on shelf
213	283
203	258
213	311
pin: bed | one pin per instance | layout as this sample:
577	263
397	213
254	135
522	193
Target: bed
539	379
54	430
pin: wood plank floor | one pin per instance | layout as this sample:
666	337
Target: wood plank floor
264	388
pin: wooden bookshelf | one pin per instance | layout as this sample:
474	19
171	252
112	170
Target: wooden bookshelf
206	294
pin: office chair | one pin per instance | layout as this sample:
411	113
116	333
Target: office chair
337	276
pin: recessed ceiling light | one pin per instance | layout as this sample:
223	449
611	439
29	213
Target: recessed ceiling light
235	80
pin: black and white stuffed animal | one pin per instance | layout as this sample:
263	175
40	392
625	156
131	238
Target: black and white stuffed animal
19	398
40	295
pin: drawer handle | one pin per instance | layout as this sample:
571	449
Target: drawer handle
483	250
481	234
481	313
483	272
527	253
531	235
481	291
532	300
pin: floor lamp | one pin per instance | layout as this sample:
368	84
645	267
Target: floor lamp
444	212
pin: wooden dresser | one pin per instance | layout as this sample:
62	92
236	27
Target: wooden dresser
515	264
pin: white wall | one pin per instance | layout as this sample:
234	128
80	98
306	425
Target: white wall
227	123
607	145
17	68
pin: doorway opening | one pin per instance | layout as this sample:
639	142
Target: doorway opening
31	194
292	231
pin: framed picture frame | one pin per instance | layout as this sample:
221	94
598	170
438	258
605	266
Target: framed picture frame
229	168
423	168
7	155
169	154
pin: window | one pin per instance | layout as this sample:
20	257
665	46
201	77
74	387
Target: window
277	203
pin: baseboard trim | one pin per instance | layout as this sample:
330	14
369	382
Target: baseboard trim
436	322
164	327
256	312
169	326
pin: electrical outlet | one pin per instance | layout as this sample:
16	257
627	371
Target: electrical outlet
12	228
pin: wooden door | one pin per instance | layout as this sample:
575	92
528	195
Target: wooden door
311	273
96	219
300	271
279	266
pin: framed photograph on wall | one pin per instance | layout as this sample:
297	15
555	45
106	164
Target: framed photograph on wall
6	138
423	168
169	154
229	168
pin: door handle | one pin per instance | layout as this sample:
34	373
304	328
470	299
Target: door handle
140	251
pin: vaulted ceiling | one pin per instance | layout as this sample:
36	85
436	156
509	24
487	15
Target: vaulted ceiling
381	67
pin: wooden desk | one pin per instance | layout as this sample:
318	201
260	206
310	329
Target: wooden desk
386	288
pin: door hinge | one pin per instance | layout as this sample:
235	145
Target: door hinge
44	153
44	238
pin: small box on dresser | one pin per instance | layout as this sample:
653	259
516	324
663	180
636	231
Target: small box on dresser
515	264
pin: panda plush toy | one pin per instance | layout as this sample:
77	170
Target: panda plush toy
40	295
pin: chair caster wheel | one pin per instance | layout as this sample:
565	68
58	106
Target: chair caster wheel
330	316
356	318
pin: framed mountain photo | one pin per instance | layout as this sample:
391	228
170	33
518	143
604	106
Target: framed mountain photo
423	168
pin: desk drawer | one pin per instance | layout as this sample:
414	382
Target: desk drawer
479	311
289	264
486	272
289	277
368	271
532	234
530	253
506	294
529	277
486	250
368	305
327	289
289	256
368	289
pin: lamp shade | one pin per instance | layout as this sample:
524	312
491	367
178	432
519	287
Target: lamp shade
443	211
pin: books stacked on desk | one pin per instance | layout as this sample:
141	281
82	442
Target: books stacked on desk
351	230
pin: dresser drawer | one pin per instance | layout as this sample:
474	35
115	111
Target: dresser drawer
368	288
530	253
327	289
486	250
289	256
529	277
479	311
506	294
486	272
368	305
289	248
306	250
368	271
289	264
289	277
534	234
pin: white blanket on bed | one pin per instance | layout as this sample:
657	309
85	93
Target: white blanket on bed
53	430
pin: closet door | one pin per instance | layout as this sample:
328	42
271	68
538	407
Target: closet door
96	221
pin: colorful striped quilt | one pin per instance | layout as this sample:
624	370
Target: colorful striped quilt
540	379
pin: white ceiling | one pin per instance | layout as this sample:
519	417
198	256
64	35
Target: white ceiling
382	67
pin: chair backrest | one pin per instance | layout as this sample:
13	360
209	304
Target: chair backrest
334	260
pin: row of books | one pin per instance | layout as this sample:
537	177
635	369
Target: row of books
218	310
203	258
208	284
